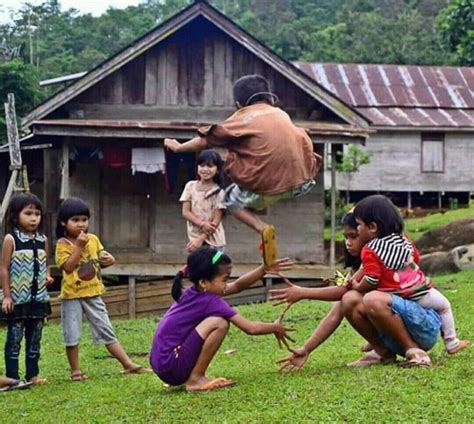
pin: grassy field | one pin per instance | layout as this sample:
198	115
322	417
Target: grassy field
416	227
323	391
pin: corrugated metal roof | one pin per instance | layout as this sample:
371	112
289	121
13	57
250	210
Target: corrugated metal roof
401	95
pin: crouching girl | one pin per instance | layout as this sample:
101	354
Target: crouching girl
192	330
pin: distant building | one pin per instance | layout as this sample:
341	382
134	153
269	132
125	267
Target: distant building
424	117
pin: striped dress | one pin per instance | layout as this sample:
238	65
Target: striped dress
27	274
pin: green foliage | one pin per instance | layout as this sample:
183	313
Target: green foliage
22	81
353	159
324	391
456	25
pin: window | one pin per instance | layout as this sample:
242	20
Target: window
432	152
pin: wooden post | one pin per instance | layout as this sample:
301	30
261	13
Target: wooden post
440	200
12	133
131	297
332	247
409	200
64	191
8	194
268	282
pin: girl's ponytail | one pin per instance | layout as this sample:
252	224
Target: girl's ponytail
177	287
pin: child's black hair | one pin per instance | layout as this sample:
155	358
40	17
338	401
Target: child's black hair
380	209
69	208
353	262
17	203
200	267
251	89
211	157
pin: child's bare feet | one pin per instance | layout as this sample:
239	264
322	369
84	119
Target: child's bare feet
207	383
460	346
372	358
366	348
39	381
136	369
78	376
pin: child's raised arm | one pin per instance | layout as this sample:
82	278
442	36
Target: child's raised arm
7	250
246	280
71	263
293	293
196	144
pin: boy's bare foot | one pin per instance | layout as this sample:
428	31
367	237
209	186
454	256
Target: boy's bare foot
39	381
416	357
78	376
372	358
366	348
460	346
207	383
136	369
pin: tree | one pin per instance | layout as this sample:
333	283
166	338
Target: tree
456	26
21	80
351	162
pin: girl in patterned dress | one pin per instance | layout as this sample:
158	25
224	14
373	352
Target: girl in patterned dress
203	203
25	277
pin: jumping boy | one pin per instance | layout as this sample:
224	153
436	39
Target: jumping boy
269	158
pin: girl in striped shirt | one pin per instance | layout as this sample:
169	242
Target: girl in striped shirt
390	264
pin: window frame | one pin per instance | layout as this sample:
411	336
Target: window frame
433	137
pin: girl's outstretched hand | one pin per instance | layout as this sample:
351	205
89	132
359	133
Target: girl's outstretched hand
281	334
295	361
290	295
7	305
280	265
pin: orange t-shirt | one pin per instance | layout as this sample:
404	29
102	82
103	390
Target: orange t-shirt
268	154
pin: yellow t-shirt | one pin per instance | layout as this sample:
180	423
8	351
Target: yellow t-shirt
86	279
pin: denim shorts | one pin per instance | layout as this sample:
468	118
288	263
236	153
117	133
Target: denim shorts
422	324
237	198
96	313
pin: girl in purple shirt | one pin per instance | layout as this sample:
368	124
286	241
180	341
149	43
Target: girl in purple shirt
192	330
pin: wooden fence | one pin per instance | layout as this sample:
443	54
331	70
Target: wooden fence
152	298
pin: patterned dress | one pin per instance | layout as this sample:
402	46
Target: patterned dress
27	273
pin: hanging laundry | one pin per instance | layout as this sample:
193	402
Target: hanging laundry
149	160
116	157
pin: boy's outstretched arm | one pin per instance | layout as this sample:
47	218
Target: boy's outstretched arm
196	144
293	293
280	265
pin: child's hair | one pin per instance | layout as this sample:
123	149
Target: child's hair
380	209
69	208
203	264
251	89
353	262
211	157
17	203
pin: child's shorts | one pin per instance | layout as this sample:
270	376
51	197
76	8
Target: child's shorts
237	198
96	313
181	362
422	324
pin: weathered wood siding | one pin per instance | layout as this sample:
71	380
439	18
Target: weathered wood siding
396	165
189	77
145	229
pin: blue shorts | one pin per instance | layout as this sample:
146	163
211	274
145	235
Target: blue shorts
422	324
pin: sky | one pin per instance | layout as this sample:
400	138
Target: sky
96	7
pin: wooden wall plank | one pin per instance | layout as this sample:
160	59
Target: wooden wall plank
151	76
218	72
208	72
171	87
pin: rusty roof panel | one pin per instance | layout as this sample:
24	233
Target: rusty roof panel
396	85
419	117
402	95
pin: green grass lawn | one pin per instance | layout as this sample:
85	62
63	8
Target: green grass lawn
323	391
416	227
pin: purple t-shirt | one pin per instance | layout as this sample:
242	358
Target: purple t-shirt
183	317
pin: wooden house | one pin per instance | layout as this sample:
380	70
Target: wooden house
167	83
424	117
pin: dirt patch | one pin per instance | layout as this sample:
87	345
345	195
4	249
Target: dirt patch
449	236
